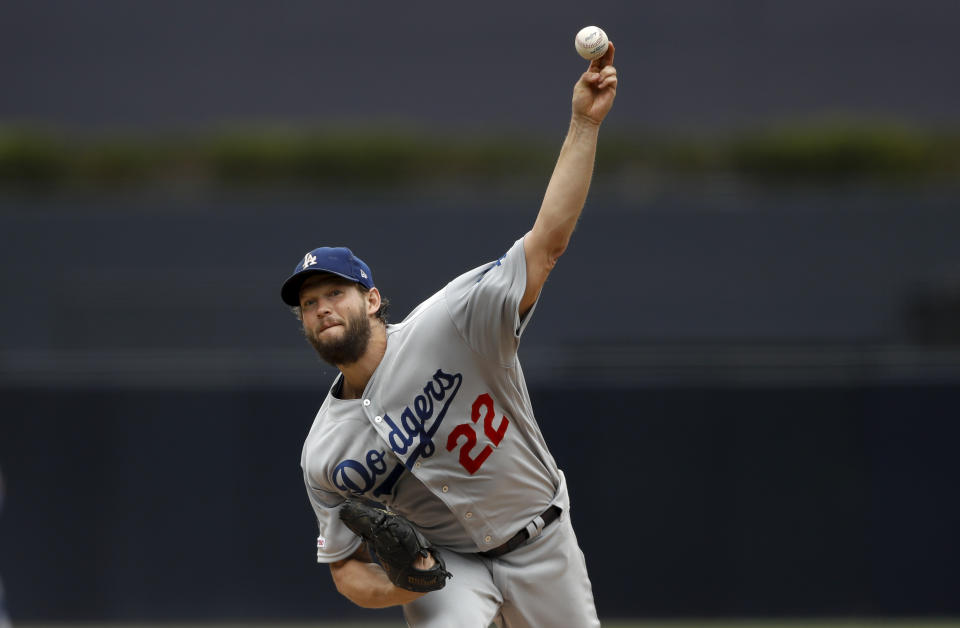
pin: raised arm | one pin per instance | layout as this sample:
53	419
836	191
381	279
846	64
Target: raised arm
567	191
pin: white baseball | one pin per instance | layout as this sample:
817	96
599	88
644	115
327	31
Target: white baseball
591	42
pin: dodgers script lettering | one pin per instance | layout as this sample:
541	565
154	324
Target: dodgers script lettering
413	435
420	424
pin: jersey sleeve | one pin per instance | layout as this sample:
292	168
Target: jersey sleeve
484	305
335	541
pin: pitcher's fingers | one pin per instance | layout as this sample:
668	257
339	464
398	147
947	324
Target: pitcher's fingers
590	78
605	60
610	81
608	76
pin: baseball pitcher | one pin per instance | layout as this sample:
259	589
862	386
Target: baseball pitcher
432	484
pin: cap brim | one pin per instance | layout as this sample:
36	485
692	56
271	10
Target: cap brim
290	291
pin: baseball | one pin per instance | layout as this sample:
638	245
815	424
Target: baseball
591	42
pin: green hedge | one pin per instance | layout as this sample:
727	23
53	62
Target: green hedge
823	151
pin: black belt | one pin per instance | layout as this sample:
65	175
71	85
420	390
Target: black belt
549	516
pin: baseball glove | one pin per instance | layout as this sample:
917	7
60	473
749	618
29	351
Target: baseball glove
397	543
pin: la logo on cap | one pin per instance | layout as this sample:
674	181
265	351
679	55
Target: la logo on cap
309	260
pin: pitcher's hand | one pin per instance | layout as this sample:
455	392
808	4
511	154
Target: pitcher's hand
594	93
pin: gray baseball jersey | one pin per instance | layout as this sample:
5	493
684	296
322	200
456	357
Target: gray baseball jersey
444	433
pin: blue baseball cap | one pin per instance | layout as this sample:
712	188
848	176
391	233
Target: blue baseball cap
338	261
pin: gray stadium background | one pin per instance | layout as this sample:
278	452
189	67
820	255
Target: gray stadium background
753	419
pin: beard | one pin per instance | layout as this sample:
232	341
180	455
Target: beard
347	349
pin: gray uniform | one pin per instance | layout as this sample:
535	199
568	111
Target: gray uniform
445	435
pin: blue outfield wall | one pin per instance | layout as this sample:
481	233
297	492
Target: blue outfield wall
126	504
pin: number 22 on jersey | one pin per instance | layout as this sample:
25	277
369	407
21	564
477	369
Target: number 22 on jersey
482	405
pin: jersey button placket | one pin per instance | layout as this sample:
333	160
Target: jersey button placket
377	418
